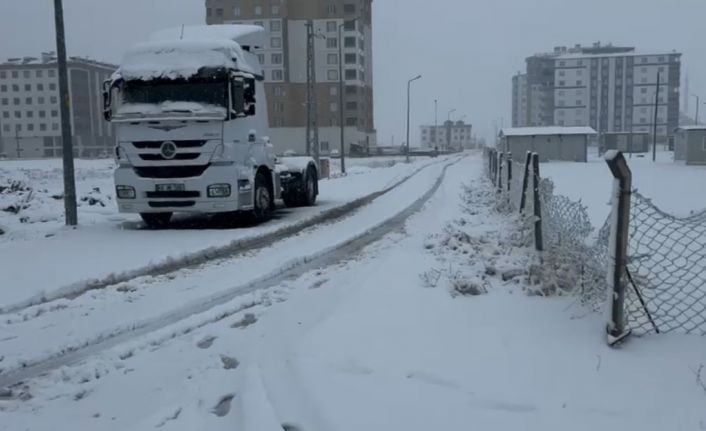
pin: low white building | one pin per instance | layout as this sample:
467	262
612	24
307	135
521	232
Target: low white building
448	136
550	143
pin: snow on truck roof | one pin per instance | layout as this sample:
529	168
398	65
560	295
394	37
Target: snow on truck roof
543	131
181	52
252	36
184	58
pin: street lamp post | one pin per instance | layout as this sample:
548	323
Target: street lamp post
448	128
409	85
436	123
698	102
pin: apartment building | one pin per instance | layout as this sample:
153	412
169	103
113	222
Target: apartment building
606	87
30	117
519	100
284	61
448	136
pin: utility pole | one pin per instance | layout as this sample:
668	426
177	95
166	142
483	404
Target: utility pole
654	126
68	151
311	99
409	86
449	127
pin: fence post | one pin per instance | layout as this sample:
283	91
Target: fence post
501	156
509	170
538	238
525	181
618	249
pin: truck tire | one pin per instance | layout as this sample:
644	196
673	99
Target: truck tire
156	220
262	199
309	189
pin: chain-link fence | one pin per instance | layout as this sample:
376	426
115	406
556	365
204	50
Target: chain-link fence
658	282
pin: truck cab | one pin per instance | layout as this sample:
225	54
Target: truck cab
191	123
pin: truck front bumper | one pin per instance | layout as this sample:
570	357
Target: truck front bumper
192	199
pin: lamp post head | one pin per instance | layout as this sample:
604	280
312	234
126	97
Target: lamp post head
416	78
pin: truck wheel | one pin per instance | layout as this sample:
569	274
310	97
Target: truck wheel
263	208
308	197
156	220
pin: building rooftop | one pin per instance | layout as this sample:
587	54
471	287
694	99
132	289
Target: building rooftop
693	127
49	59
544	131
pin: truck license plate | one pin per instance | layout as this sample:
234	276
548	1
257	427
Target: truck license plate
170	187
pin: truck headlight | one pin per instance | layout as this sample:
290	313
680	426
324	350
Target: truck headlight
219	191
125	192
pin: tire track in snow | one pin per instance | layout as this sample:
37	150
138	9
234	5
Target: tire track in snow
202	257
293	269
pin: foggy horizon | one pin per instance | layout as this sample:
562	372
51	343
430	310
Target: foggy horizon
467	61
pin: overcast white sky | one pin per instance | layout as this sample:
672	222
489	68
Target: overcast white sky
466	50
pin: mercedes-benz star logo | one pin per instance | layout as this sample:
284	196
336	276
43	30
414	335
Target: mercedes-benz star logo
168	150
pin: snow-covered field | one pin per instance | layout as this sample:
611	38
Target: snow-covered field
422	329
673	187
46	259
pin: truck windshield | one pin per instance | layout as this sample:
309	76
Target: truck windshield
156	92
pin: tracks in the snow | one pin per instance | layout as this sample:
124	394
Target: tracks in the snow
296	268
215	253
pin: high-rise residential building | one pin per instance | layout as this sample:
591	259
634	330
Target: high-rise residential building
284	61
30	116
448	136
609	88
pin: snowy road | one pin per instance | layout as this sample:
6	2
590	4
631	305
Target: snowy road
67	330
356	340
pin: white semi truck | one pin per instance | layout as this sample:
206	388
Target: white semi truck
191	124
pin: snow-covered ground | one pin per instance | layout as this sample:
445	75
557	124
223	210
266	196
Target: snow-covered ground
673	187
46	259
417	331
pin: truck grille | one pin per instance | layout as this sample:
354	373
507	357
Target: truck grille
160	158
170	171
171	204
155	145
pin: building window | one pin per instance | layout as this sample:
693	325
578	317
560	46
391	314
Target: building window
331	26
258	10
28	87
351	106
644	59
236	11
208	12
5	102
28	101
40	73
6	114
349	42
332	59
278	91
16	101
26	74
54	113
18	114
15	87
324	146
15	75
261	59
274	9
661	59
30	114
332	75
333	107
277	75
18	127
52	87
351	74
54	100
579	83
349	25
275	25
350	58
349	9
276	58
331	43
643	90
3	88
40	100
40	87
52	73
3	75
562	73
30	127
6	128
42	114
351	89
331	9
219	13
333	91
279	107
276	42
55	126
351	121
562	83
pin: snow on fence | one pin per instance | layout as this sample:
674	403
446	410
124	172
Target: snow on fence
646	266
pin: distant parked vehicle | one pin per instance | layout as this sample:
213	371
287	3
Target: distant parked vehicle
290	153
